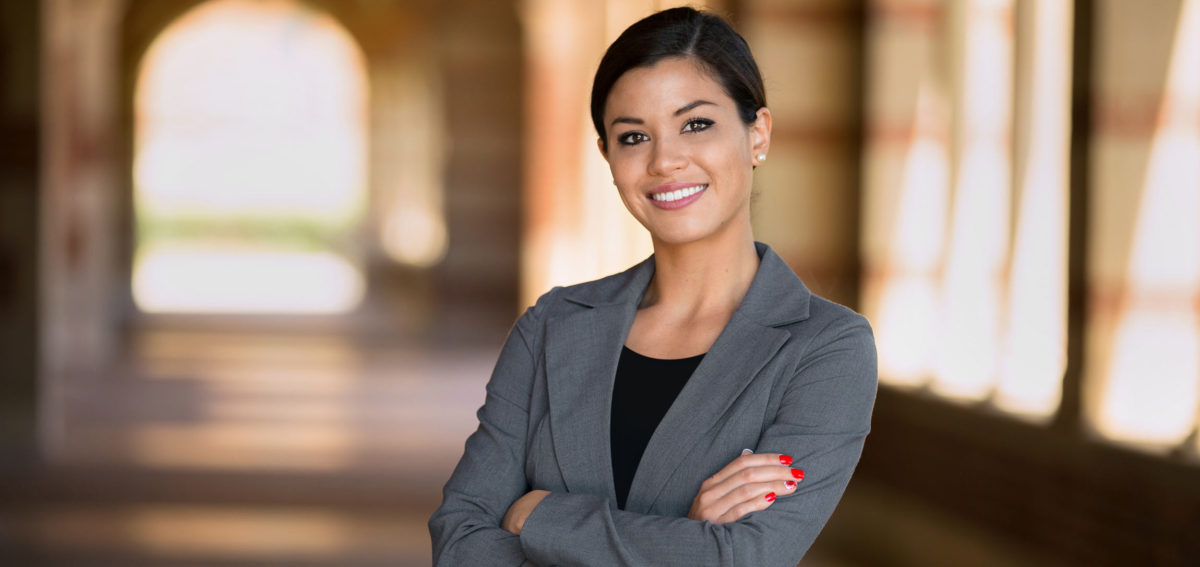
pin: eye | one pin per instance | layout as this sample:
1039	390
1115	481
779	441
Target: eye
697	124
632	138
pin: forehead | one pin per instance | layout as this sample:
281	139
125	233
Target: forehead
664	87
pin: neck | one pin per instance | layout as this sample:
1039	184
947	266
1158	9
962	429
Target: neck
703	276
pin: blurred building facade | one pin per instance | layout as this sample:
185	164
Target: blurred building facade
1008	189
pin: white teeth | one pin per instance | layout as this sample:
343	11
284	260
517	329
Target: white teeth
669	196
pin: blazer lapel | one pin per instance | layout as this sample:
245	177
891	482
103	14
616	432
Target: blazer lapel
582	352
751	338
741	350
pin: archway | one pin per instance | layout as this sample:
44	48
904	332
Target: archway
250	145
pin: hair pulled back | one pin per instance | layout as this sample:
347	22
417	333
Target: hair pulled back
682	32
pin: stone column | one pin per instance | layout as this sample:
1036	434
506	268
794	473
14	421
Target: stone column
20	174
806	203
79	277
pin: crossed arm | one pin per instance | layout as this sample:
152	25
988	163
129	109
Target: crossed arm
748	484
489	517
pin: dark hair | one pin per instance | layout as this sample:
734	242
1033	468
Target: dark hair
682	32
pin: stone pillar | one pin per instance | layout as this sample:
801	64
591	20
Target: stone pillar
564	41
806	203
20	100
79	278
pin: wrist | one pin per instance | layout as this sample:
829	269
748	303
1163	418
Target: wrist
519	511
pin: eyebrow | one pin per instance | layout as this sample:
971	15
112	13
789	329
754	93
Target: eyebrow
693	105
682	109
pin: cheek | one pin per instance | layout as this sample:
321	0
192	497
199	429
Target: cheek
723	162
625	171
625	184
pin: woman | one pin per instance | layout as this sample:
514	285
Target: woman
700	408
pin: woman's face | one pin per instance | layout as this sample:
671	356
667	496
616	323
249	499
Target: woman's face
680	155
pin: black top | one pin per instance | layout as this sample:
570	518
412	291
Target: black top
643	391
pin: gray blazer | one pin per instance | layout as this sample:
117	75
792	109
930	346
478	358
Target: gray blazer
791	373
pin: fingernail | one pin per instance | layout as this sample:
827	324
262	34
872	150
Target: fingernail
785	460
791	485
797	474
746	452
770	497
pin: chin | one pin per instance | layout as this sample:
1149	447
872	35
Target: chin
681	236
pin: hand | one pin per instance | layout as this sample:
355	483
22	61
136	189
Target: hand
748	484
514	519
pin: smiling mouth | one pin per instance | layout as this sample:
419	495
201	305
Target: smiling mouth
678	194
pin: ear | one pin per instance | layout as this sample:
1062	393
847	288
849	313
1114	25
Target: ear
760	135
600	146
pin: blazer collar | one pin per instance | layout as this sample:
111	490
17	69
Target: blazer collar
776	296
582	351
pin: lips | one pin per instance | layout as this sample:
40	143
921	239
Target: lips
677	195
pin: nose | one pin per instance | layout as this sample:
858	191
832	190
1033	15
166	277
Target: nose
666	158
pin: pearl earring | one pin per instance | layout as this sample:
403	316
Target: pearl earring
761	157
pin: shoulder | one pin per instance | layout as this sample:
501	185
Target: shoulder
820	331
827	322
778	298
619	288
826	316
834	334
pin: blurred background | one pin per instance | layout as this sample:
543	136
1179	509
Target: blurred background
257	258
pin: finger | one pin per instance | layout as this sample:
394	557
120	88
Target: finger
774	491
717	486
715	500
750	460
761	500
714	505
786	488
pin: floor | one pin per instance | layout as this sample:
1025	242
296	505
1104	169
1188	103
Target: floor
251	448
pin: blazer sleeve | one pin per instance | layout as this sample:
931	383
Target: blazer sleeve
822	421
465	529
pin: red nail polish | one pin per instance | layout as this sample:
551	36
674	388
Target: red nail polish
797	474
785	460
791	485
770	497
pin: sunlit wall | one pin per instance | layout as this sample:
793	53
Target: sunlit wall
1033	357
1143	361
965	185
966	209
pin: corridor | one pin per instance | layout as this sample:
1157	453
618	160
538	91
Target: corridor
257	258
